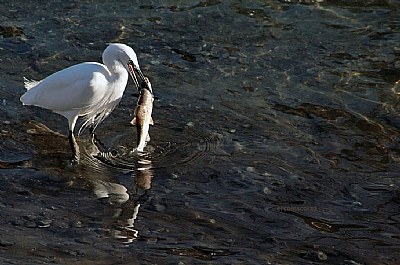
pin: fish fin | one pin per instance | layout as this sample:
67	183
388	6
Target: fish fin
151	121
30	83
148	138
133	121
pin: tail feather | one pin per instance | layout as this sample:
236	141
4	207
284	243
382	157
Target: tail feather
30	83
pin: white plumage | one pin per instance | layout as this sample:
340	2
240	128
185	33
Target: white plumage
90	90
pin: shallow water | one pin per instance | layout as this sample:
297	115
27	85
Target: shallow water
275	139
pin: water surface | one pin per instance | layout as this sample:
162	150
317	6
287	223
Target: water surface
275	138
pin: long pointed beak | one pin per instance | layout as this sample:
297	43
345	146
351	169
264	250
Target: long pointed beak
137	75
131	67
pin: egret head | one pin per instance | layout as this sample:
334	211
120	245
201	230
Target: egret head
123	54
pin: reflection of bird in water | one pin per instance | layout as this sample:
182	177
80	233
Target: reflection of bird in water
90	90
116	193
120	212
144	174
121	204
122	209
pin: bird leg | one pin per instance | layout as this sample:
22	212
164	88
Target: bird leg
74	147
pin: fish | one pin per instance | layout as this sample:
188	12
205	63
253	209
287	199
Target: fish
143	118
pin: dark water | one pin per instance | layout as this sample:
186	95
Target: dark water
276	137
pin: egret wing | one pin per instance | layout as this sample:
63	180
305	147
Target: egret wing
78	87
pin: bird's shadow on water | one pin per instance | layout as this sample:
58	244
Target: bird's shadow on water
121	190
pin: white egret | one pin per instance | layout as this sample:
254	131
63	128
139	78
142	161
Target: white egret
90	90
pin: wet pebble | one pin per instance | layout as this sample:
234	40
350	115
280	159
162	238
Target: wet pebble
248	88
152	240
155	62
267	191
32	221
322	255
10	31
315	255
5	243
44	223
250	169
238	146
159	207
76	224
